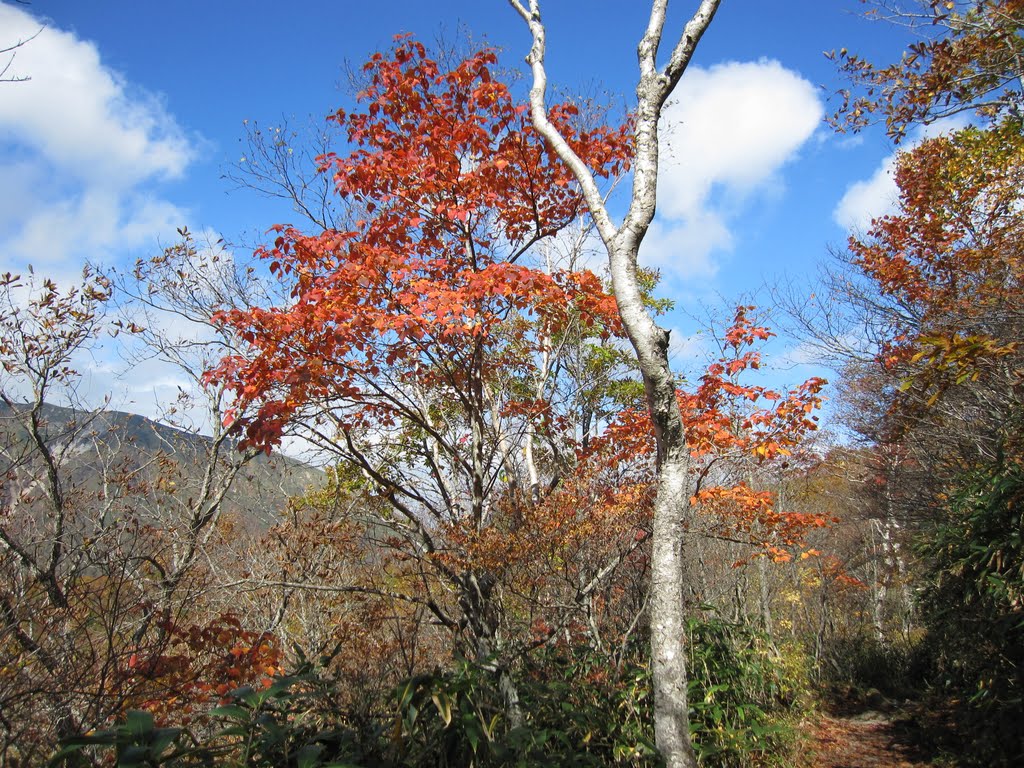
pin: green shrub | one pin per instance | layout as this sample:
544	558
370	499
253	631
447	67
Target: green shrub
741	699
581	708
857	663
973	608
286	725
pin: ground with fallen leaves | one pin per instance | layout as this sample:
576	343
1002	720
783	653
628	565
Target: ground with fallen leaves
896	737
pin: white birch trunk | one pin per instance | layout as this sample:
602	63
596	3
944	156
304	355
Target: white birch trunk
671	507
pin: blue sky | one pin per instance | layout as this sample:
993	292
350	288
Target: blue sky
135	110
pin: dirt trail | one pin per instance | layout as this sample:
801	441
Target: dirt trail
867	740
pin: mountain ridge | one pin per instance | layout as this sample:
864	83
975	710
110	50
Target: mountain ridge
142	446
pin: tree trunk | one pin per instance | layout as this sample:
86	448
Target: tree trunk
668	621
671	506
477	602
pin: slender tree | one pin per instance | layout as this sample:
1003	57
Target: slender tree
651	343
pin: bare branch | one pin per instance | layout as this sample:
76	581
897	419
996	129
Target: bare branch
13	51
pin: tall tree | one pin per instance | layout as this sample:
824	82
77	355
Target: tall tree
438	349
107	530
939	284
622	241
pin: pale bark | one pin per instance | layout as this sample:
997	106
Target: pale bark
889	564
650	342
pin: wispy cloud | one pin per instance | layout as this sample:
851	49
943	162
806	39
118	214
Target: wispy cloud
868	198
878	195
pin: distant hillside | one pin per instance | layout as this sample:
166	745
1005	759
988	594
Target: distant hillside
158	454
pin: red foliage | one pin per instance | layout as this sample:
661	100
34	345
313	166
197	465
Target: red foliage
948	259
199	662
456	187
727	419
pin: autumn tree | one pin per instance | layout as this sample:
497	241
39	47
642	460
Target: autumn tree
439	349
949	260
166	306
44	538
919	309
935	287
425	346
105	545
967	60
937	284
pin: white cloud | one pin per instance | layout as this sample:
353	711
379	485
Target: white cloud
81	155
79	115
726	135
96	223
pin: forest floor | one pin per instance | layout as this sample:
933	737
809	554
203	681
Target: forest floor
889	736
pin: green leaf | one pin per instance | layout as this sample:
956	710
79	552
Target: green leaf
133	755
234	730
232	712
246	694
489	728
308	756
444	706
138	722
408	691
281	687
472	730
163	738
